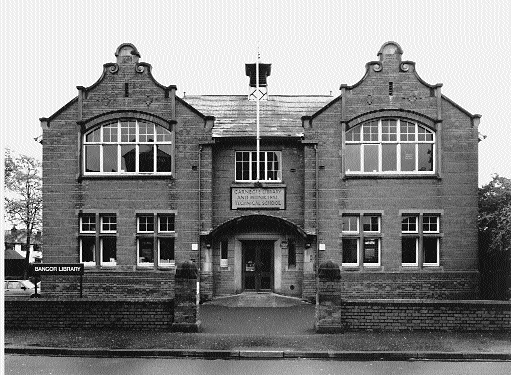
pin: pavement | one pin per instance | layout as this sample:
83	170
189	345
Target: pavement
261	326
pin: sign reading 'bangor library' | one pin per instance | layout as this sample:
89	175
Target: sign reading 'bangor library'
258	198
57	269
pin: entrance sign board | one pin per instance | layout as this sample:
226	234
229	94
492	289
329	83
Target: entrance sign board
260	198
57	269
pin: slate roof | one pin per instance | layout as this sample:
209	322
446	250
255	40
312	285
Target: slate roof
280	115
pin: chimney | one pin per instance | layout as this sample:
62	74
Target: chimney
264	72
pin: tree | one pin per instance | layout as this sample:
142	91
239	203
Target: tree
495	237
23	195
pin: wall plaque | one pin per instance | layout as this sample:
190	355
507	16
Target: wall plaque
258	198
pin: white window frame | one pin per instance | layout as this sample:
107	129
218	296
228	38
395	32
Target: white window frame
416	217
110	263
378	242
82	223
437	263
357	218
172	262
437	217
101	218
379	142
357	240
139	223
140	263
416	239
121	143
264	173
93	262
372	231
160	216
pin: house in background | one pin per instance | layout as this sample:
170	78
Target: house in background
382	180
15	251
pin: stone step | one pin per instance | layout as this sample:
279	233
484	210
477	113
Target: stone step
253	299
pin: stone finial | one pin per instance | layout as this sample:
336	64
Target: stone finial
127	53
390	48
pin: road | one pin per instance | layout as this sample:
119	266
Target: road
24	365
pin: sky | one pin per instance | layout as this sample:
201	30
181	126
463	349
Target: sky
50	47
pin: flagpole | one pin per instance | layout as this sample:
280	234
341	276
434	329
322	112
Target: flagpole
258	138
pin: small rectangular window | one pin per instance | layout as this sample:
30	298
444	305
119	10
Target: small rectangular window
146	224
166	223
108	224
371	223
350	251
270	166
371	251
88	223
430	224
224	253
350	223
145	251
430	247
166	252
108	251
409	253
409	224
353	157
291	253
88	251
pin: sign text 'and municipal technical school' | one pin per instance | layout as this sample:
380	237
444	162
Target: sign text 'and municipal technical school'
57	269
262	198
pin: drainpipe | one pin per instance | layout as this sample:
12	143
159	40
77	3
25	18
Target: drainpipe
199	266
317	224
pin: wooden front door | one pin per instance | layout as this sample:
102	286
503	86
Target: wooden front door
258	265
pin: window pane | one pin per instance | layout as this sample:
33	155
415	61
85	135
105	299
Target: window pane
409	224
109	249
110	158
128	158
88	249
262	166
166	250
145	250
349	250
425	156
128	131
92	158
389	157
167	223
145	132
430	223
424	135
272	166
353	134
146	158
162	134
350	223
242	166
389	130
430	246
353	158
110	133
371	250
291	254
164	158
94	136
253	164
371	223
88	223
108	224
370	131
407	131
409	250
146	223
407	157
224	250
370	158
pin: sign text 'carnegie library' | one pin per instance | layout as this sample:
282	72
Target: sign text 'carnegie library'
262	198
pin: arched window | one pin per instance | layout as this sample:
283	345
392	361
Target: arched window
128	146
390	146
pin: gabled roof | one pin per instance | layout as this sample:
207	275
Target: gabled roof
280	115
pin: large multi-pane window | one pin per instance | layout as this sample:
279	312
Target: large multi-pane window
155	239
270	166
102	237
361	239
390	146
420	240
128	147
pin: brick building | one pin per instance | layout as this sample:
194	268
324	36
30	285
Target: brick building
381	180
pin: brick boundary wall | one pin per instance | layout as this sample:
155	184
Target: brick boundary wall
412	315
88	314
